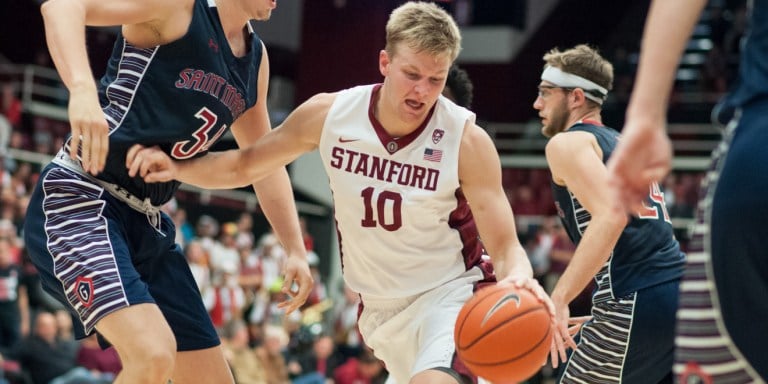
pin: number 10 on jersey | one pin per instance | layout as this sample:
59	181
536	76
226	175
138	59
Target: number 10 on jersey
382	209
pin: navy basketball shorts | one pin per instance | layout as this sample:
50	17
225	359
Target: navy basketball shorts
96	255
628	340
722	332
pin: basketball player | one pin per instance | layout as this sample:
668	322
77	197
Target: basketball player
405	165
721	332
636	262
181	73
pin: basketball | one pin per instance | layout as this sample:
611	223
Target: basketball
503	334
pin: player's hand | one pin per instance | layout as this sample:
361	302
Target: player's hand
151	163
297	284
562	338
534	287
642	156
90	130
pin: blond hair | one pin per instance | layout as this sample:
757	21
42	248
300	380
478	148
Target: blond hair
584	61
424	27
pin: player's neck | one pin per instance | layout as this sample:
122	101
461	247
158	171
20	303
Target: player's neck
591	116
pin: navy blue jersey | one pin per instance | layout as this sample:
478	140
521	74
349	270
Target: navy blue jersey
182	96
646	253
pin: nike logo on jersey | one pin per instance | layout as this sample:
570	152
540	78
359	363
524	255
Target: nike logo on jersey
503	301
343	140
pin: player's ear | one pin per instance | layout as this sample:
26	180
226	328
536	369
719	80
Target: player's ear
384	61
577	96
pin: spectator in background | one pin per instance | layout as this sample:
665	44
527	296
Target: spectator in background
243	360
228	296
206	230
271	255
183	227
364	369
244	236
48	360
102	363
271	354
197	258
14	300
10	106
315	363
309	241
344	318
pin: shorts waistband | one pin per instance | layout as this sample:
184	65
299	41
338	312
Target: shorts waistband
144	206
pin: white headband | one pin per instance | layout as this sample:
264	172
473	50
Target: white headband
556	76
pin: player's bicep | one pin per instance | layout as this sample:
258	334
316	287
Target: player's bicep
480	177
573	160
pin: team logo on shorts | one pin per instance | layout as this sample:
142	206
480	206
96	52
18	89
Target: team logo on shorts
84	290
437	135
693	374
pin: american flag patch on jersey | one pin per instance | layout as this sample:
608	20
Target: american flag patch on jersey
433	154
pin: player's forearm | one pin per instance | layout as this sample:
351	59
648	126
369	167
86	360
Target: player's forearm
216	170
65	35
591	254
513	262
276	200
667	31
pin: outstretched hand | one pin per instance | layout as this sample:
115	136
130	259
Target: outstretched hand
151	163
642	156
564	329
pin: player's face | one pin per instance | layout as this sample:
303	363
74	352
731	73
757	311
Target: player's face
552	105
262	9
413	82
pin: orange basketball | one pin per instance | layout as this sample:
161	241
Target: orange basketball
503	334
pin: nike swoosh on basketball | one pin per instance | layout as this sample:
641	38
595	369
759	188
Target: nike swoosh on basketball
504	300
343	140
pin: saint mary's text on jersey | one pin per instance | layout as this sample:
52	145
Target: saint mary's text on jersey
384	169
214	85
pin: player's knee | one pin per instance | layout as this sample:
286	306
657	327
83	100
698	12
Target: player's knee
154	362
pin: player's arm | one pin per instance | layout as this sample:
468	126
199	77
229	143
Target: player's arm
575	160
480	177
298	134
65	22
275	194
644	154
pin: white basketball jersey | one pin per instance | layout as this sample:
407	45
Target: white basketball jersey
404	225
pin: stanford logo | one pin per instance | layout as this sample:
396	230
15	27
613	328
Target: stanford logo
84	290
437	135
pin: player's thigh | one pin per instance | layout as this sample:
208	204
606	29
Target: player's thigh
738	233
202	366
